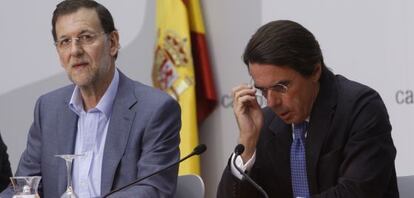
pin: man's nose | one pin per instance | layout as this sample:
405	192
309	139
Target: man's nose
76	48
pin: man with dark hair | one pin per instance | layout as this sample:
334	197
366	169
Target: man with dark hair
123	129
321	135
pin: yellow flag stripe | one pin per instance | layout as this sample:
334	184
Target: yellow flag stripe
173	39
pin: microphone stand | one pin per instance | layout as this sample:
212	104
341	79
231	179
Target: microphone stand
238	151
197	151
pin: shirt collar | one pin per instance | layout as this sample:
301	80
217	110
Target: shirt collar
105	103
306	120
306	133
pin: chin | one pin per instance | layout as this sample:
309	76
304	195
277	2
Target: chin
286	120
80	82
292	120
80	79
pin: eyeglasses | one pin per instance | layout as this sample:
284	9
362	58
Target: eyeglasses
83	39
280	87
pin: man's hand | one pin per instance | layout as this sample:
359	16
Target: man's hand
249	118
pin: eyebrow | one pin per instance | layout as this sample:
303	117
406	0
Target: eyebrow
282	82
80	33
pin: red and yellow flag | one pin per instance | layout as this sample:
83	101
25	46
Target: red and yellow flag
182	69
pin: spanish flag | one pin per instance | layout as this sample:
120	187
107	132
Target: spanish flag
182	69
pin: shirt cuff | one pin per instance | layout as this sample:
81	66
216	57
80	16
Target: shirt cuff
239	163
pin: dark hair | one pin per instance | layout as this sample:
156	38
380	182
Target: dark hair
71	6
284	43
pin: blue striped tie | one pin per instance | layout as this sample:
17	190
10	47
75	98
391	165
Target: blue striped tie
298	162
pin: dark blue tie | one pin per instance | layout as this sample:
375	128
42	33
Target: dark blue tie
298	161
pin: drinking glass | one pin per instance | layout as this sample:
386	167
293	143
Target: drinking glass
69	193
25	187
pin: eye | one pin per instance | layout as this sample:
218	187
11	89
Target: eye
64	42
280	87
86	38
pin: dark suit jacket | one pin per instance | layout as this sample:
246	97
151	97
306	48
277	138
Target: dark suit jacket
142	137
5	170
349	149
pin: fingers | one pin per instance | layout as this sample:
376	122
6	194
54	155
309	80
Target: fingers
242	87
243	97
243	90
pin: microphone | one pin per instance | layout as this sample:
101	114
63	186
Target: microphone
198	150
238	151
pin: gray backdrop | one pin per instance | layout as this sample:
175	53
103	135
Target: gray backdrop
369	42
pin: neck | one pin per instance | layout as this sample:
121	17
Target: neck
92	94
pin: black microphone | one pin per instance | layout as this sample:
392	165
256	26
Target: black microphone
198	150
238	151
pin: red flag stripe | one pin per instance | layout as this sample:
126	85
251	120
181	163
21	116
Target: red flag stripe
205	88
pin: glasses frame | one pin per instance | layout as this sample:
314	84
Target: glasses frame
80	40
278	88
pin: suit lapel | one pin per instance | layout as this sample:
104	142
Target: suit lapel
67	128
280	142
118	131
320	121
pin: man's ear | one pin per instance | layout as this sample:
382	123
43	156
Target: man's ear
317	72
114	39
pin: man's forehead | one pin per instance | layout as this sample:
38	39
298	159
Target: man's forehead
267	74
82	20
270	69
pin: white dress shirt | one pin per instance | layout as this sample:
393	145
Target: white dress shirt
90	140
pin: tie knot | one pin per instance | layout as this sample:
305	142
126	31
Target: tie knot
300	129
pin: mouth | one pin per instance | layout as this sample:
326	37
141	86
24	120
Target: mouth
79	65
284	115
